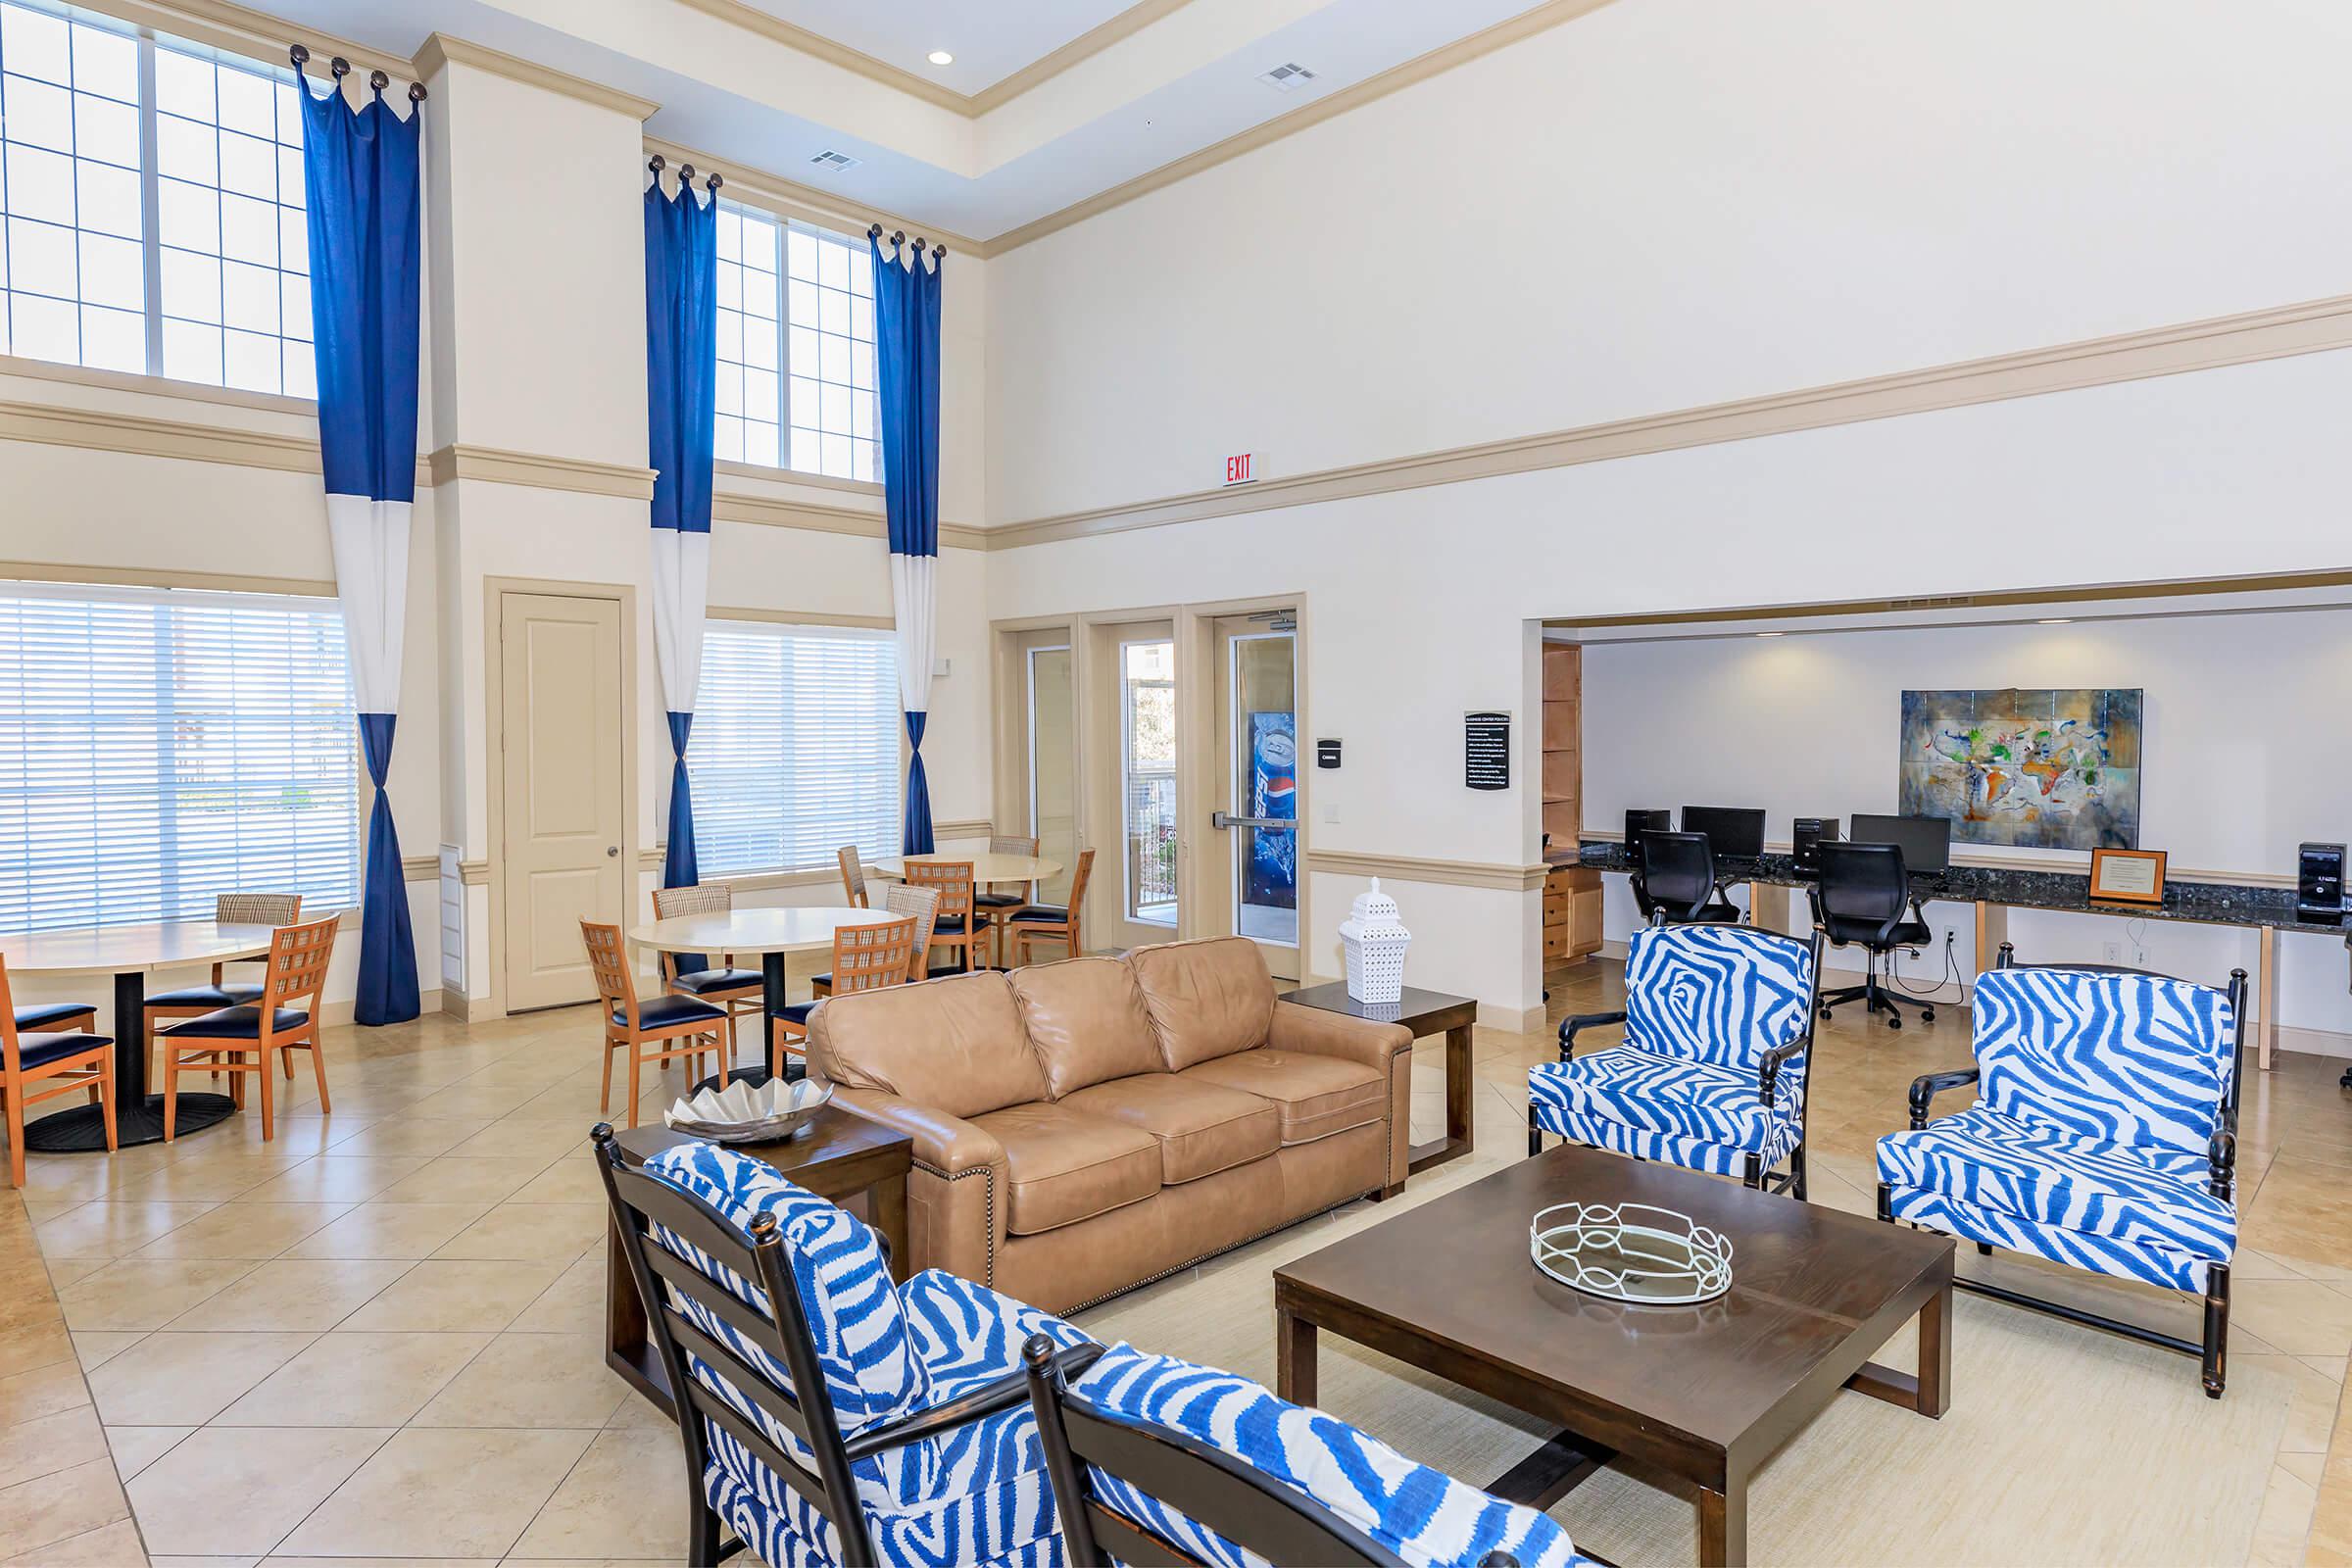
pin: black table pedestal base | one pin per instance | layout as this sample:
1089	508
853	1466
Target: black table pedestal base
82	1131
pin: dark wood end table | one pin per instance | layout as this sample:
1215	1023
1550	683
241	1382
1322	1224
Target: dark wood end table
1424	1013
841	1156
1707	1392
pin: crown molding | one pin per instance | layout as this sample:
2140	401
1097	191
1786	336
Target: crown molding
2281	331
1437	62
1496	875
243	30
459	460
776	511
439	50
971	105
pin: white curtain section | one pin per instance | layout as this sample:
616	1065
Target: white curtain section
912	598
681	588
370	540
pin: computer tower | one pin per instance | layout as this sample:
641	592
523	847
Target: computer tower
2320	882
1808	832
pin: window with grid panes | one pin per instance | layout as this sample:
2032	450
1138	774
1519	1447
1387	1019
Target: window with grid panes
797	385
216	288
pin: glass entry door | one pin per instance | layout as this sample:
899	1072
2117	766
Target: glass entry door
1053	711
1148	778
1257	720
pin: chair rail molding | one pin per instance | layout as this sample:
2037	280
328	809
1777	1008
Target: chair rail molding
2313	326
782	511
582	475
1498	875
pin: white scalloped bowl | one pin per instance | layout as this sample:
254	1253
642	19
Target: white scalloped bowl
745	1113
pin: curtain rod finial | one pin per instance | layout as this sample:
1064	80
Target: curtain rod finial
340	66
378	81
685	174
300	56
657	164
875	232
899	238
716	180
416	92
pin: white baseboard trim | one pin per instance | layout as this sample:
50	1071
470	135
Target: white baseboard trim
2313	1042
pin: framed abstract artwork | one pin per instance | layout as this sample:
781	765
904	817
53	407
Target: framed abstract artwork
2046	769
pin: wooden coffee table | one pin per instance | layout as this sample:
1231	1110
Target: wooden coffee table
1707	1392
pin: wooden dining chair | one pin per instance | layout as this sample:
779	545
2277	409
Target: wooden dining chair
853	877
1053	922
1001	899
271	909
737	991
960	924
659	1030
922	905
281	1020
865	958
65	1059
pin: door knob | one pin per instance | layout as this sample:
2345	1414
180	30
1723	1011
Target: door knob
612	850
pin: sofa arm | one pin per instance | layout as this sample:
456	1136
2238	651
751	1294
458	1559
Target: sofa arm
1320	1033
1386	1047
956	1193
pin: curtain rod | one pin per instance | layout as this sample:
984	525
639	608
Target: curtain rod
342	68
900	238
658	163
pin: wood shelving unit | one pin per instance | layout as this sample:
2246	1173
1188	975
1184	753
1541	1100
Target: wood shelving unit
1571	894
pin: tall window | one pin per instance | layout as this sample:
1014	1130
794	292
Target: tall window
1147	683
796	348
216	288
160	747
796	747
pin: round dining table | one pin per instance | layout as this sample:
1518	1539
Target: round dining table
987	867
772	933
131	953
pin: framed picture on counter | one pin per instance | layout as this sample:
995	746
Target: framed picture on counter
2126	876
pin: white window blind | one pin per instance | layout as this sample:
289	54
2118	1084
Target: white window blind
796	747
160	747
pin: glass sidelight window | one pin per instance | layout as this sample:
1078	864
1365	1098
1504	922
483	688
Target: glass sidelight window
1148	778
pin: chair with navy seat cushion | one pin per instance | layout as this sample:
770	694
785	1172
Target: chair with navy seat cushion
271	909
69	1018
865	958
61	1061
2104	1136
1157	1460
252	1041
1053	922
919	1446
922	906
654	1033
722	983
962	923
1713	1070
1000	899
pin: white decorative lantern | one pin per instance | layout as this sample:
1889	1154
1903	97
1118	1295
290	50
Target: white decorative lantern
1375	940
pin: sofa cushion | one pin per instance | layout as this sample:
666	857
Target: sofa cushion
1315	1096
1063	1166
1203	1127
1207	998
1086	1021
954	1044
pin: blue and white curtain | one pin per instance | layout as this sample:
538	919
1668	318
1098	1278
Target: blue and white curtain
906	345
681	374
361	175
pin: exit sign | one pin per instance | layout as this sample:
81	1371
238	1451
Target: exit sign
1239	468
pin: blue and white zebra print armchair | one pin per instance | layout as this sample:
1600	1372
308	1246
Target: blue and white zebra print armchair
1712	1072
925	1450
2104	1135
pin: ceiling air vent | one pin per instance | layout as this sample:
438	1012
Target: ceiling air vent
1933	602
829	159
1288	77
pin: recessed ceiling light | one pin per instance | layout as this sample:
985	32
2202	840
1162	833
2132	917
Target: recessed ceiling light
2060	620
1768	634
940	57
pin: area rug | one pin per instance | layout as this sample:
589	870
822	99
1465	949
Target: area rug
2063	1444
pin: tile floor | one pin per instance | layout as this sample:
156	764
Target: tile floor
377	1336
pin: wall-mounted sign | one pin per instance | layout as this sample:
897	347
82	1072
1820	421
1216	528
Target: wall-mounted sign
1240	469
1327	754
1487	750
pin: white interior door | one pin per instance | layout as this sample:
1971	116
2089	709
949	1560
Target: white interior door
560	735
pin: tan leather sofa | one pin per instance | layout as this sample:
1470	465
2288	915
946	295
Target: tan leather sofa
1085	1126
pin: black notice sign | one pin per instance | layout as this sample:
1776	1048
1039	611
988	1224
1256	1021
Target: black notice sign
1327	754
1487	750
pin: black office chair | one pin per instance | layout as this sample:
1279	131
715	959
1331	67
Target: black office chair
1864	896
1678	880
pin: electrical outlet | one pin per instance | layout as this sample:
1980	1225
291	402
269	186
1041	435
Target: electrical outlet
2113	952
2139	957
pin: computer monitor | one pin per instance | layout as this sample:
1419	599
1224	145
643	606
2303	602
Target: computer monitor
1637	823
1736	831
1926	841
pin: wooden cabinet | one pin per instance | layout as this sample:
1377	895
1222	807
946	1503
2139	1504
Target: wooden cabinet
1570	911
